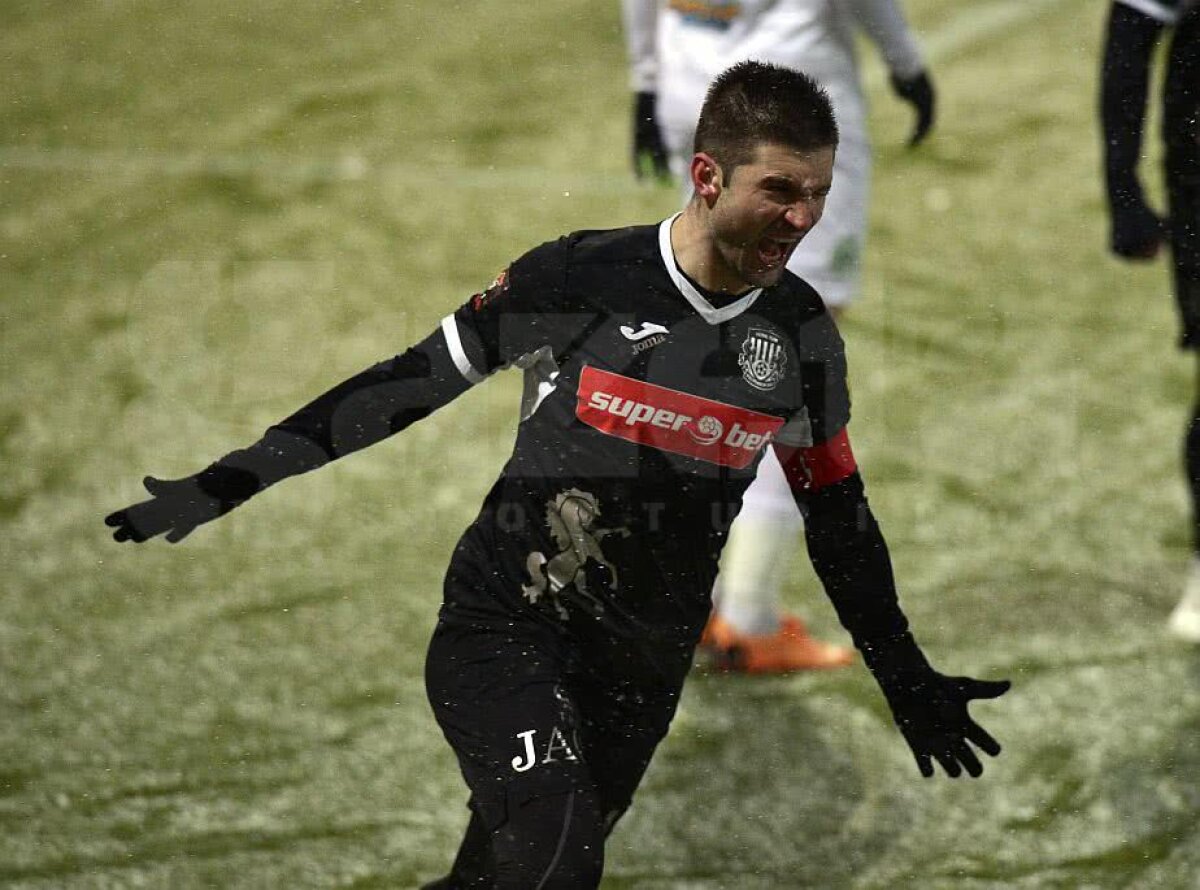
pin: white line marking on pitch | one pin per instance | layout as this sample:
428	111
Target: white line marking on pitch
979	23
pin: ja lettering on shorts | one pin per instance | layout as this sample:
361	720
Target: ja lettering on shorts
527	717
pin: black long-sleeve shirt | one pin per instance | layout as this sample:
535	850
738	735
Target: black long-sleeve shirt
646	410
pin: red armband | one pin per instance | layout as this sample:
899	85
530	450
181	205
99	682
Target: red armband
814	468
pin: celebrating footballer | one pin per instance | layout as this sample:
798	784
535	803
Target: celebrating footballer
661	361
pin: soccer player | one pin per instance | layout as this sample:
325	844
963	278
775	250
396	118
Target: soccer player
1134	28
661	361
675	49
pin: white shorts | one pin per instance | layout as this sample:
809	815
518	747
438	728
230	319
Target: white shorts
830	256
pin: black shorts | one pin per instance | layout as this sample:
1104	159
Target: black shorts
528	712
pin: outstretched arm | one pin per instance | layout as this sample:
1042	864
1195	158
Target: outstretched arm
851	558
495	328
358	412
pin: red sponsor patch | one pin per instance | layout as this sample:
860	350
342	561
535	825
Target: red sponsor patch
674	421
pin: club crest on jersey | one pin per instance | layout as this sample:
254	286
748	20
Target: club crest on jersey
762	359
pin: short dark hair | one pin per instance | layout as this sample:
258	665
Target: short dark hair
755	103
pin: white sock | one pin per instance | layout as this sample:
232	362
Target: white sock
752	571
758	552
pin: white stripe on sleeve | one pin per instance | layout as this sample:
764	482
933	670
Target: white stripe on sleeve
454	343
1166	13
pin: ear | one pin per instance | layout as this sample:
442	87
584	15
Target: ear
706	177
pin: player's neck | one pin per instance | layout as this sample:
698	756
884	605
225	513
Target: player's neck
698	258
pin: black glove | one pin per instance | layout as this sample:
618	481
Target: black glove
918	92
931	709
1137	231
178	506
649	150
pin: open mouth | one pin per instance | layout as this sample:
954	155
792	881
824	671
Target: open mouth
775	251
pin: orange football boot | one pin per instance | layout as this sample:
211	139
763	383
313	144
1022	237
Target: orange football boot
785	651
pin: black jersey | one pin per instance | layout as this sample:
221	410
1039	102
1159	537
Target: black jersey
646	411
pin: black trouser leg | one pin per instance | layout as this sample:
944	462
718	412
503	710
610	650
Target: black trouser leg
550	842
473	866
547	842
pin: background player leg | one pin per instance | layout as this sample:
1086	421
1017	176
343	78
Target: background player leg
1181	116
756	559
1185	618
749	631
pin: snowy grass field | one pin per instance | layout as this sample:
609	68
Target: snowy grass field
211	212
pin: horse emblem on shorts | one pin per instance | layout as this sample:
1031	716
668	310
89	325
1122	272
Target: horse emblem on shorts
571	518
762	358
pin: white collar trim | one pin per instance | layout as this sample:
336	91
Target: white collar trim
707	310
